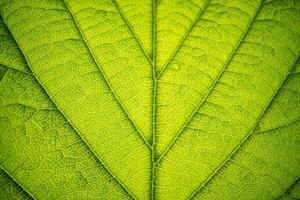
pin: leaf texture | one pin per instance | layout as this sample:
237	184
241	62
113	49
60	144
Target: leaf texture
165	99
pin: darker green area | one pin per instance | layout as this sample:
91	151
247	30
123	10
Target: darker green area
9	189
3	71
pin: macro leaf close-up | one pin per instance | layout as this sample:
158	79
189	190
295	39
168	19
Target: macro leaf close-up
150	99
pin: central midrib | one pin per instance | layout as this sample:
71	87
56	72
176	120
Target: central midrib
154	79
157	77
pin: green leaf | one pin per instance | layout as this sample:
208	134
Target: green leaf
165	99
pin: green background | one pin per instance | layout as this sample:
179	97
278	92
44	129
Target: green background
142	99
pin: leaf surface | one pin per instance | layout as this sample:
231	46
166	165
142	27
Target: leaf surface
166	99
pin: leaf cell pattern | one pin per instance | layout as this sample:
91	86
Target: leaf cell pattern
150	99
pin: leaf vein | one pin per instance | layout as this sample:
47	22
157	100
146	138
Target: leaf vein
279	126
286	191
154	113
131	30
238	147
67	119
17	182
211	87
180	44
105	78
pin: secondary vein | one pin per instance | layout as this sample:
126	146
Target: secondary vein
211	87
183	39
133	33
67	119
238	147
279	126
17	182
287	190
104	76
